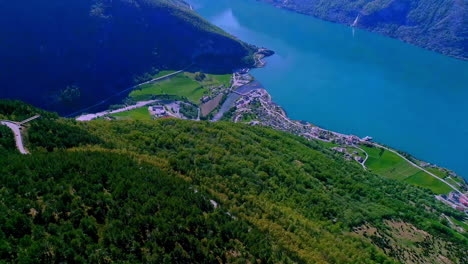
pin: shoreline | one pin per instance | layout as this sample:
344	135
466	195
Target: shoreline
310	131
271	115
244	91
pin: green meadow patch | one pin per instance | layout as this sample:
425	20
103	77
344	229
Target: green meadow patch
460	223
183	85
327	144
141	113
437	172
425	180
390	165
162	73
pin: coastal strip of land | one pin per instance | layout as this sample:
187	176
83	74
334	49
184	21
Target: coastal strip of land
245	100
257	108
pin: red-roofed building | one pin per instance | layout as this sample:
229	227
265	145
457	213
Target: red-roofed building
464	200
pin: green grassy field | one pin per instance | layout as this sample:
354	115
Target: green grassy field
451	181
425	180
390	165
460	223
141	113
327	144
219	79
437	172
183	85
458	179
162	73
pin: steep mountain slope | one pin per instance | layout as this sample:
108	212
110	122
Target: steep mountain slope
439	25
174	191
65	54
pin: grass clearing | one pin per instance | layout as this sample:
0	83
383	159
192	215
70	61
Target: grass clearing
327	144
141	113
390	165
437	172
182	85
162	73
451	181
454	183
179	85
425	180
218	80
460	223
458	179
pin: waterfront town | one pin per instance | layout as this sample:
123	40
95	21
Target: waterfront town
246	101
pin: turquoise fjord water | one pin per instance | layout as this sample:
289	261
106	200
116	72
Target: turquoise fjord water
362	83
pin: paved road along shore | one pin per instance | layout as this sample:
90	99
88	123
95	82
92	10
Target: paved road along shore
419	167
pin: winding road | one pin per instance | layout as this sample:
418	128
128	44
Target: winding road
17	132
121	92
90	117
367	157
16	128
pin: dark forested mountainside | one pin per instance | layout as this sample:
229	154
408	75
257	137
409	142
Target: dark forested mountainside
174	191
438	25
7	143
65	54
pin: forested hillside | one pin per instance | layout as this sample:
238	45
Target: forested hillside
439	25
63	55
173	191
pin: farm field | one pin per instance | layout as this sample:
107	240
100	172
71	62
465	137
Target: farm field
209	106
141	113
390	165
425	180
184	85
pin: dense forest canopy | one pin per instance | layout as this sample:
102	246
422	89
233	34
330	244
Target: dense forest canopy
63	55
174	191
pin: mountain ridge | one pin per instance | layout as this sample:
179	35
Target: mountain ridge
84	51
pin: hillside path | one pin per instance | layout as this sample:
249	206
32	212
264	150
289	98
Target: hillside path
17	132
